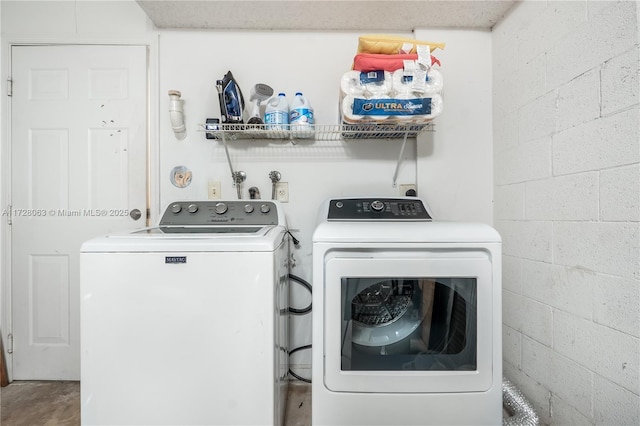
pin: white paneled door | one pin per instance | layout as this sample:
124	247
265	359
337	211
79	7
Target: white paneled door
78	170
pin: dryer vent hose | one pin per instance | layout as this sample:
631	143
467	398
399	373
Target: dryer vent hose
521	412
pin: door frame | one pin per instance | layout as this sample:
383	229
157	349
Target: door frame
152	142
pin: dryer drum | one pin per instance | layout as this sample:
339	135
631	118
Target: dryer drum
381	304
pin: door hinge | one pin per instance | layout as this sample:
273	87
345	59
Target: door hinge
9	87
7	212
10	343
148	214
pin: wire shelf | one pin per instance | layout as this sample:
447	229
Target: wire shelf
324	132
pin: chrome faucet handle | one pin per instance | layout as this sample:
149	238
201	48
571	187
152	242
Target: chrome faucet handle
275	177
238	178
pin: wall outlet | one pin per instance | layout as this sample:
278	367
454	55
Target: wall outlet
404	187
214	192
282	192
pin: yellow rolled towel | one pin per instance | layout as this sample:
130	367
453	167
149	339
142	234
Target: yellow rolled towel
390	44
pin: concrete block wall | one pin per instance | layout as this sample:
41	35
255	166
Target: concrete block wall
567	203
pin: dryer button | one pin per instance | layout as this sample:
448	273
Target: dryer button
265	208
192	208
248	208
377	206
176	208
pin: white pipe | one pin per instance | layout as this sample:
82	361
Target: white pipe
176	115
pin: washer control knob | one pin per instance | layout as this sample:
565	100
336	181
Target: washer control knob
377	206
192	208
221	208
248	208
265	208
176	208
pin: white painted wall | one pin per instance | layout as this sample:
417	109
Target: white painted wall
314	63
453	168
455	163
567	184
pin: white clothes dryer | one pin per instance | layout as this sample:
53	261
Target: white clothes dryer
187	323
406	317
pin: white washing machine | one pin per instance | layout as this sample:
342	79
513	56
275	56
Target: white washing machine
406	317
187	323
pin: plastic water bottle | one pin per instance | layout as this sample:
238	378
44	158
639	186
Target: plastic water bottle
276	114
301	117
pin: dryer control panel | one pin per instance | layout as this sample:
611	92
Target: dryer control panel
374	209
202	213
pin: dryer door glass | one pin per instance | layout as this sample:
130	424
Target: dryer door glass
417	323
409	321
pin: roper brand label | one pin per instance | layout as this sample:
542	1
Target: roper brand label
413	106
175	259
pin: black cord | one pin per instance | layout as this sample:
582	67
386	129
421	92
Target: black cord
291	372
295	241
308	287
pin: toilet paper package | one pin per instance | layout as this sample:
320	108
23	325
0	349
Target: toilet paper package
394	110
394	88
382	97
367	84
390	118
406	83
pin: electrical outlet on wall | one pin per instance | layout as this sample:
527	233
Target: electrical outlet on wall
282	192
214	192
404	187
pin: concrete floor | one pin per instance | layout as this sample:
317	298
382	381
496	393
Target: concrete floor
40	404
35	403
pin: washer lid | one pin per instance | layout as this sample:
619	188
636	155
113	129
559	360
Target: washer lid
214	239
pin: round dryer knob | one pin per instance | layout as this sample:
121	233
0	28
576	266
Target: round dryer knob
176	208
192	208
265	208
248	208
221	208
377	206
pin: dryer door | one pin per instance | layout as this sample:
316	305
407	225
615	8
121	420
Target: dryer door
409	322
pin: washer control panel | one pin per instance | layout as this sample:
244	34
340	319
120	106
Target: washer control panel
368	209
202	213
